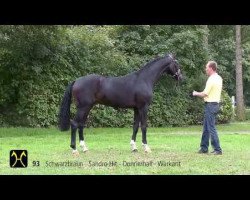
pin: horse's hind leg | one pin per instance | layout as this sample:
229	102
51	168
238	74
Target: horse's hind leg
81	138
76	123
84	115
74	126
135	130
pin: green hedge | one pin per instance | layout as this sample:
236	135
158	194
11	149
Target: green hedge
248	114
37	62
171	106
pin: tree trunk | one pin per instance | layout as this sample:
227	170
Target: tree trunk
205	40
240	108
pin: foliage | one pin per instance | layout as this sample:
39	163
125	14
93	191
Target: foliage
222	45
38	62
248	114
226	110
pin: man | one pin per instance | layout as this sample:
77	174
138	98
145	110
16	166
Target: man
211	95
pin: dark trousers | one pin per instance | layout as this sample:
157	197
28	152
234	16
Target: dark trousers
209	130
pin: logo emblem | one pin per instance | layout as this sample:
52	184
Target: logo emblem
18	158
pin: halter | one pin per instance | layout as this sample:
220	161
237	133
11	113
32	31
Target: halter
174	60
177	73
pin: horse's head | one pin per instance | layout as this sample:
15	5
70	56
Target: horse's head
174	68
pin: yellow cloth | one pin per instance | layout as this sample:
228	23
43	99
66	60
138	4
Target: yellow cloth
213	88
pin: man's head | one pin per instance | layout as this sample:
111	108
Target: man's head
211	68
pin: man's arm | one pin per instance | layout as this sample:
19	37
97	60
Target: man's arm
199	94
206	91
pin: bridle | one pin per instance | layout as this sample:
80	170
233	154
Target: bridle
178	71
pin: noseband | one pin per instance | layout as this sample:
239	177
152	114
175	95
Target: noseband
178	72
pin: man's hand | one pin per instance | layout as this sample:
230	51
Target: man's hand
199	94
195	93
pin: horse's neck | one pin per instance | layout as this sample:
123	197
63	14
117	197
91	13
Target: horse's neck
152	74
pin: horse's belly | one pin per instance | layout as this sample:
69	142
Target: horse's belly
119	102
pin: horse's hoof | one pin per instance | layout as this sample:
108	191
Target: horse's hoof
135	150
148	151
75	153
85	150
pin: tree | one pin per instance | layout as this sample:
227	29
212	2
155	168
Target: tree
205	38
240	108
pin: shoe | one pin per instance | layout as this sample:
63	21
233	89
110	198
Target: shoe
216	152
202	151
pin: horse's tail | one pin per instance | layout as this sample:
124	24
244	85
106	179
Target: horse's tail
64	114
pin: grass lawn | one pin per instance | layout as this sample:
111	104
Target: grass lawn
173	151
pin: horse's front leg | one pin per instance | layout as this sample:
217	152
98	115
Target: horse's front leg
135	130
143	115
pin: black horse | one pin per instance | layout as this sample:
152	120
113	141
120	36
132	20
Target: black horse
134	90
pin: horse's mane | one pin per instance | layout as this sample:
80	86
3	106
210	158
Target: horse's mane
148	64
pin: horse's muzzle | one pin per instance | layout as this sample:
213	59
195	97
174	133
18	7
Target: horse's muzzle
180	77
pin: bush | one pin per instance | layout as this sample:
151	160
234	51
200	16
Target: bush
34	73
248	114
226	110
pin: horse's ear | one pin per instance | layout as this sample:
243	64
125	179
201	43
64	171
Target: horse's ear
174	55
168	55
